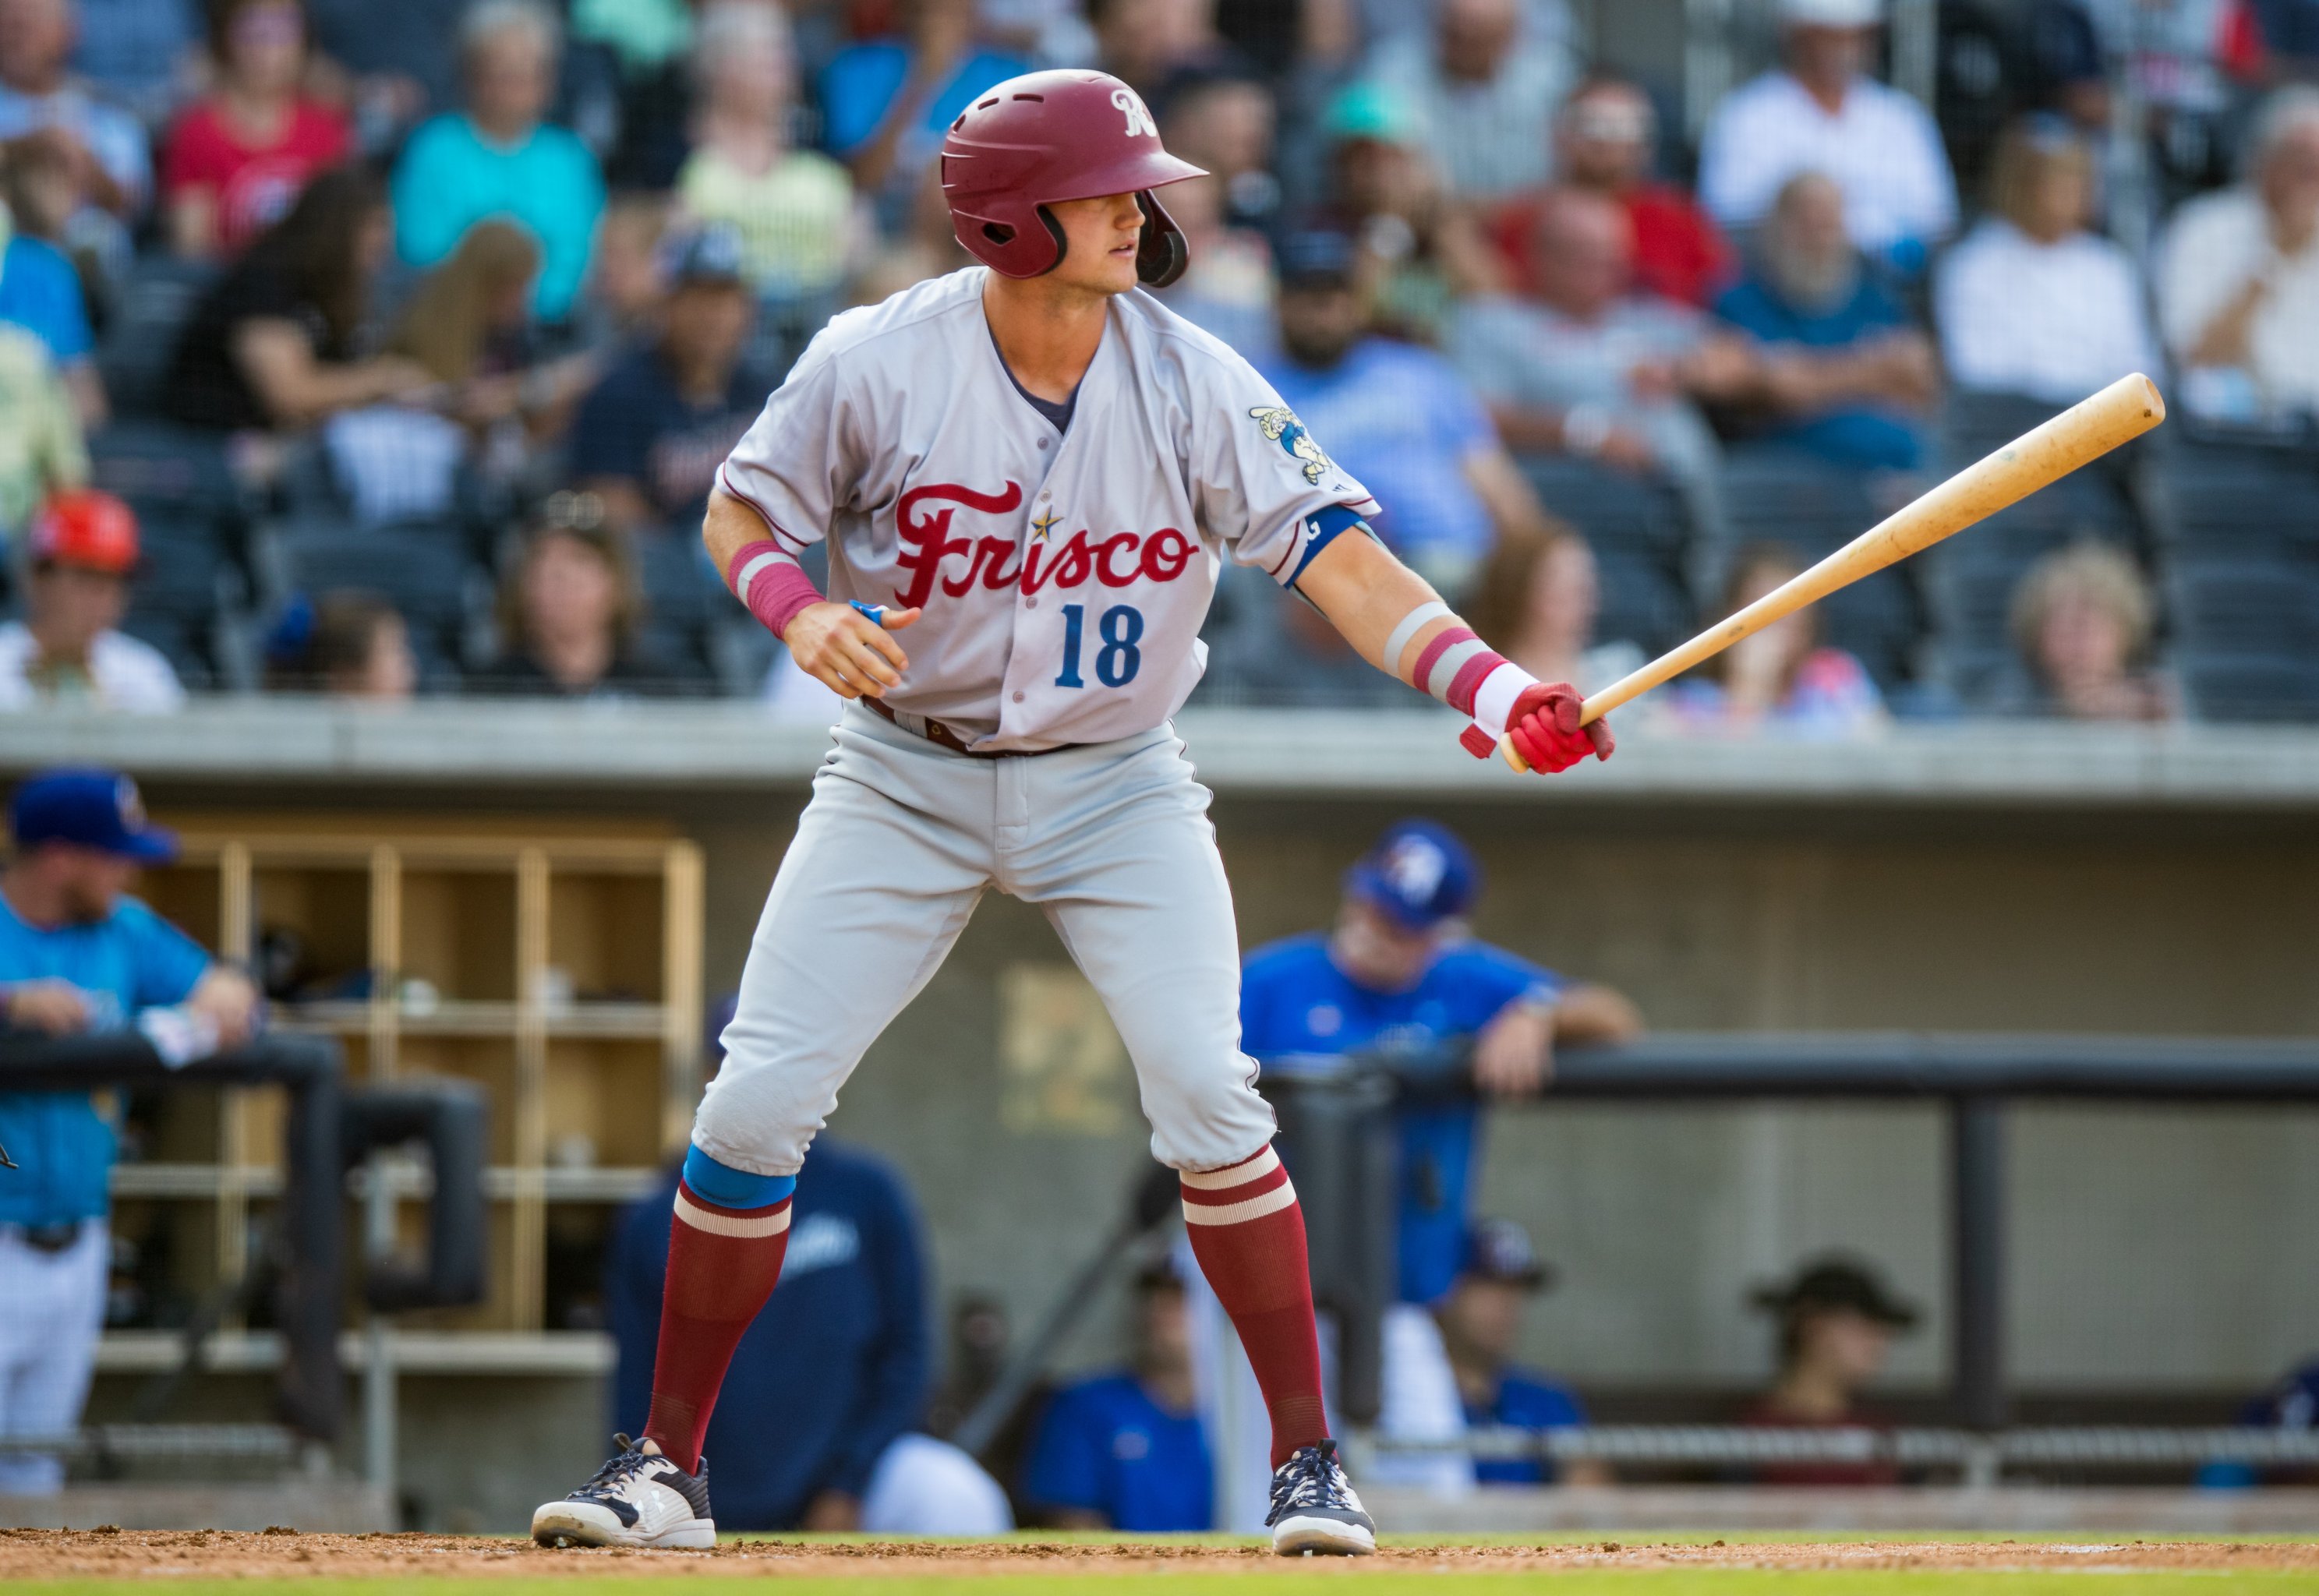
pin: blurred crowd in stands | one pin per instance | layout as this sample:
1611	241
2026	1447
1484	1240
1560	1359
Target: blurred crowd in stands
390	349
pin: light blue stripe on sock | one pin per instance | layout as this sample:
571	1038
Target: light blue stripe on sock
729	1187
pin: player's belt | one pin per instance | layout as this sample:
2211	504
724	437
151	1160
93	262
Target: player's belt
941	736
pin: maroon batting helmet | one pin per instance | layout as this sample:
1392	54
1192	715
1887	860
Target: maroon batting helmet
1047	137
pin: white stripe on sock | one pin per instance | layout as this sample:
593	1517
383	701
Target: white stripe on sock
1271	1202
1241	1173
770	1224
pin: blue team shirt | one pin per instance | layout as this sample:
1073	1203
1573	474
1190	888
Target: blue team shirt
131	960
1404	422
1298	1011
834	1368
1526	1400
1105	1446
1866	436
40	292
858	84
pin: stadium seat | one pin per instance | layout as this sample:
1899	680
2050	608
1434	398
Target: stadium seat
422	569
2245	607
2250	687
188	598
1616	509
684	606
1784	497
149	311
1643	546
2227	500
193	586
1640	603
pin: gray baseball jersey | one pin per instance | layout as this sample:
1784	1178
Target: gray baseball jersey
1064	576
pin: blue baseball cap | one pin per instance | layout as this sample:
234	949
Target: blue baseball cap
1500	1249
1419	873
98	809
1320	258
710	254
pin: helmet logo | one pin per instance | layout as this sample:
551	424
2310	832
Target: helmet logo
1138	120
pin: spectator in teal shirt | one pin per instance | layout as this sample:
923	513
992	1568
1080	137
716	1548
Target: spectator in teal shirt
500	158
76	956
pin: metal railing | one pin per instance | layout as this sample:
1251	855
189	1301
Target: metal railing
326	1129
1332	1112
1978	1458
307	1263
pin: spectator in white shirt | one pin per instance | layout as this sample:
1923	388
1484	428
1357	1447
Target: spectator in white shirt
2238	276
1485	93
2032	301
81	548
1821	113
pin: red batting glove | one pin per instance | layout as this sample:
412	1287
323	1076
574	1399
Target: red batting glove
1543	726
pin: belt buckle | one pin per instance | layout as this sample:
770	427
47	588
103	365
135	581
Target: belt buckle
51	1239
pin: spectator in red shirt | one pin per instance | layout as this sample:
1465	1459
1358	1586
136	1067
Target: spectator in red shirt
1602	141
237	159
1837	1323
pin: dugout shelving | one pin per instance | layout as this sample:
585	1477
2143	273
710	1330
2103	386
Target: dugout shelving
557	966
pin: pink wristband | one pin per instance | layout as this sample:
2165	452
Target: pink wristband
773	586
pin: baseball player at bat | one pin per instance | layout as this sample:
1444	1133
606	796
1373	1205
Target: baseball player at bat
1030	473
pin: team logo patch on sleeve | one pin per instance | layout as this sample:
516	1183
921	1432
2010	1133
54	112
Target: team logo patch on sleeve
1280	423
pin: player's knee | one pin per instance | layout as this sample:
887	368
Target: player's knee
1209	1118
753	1131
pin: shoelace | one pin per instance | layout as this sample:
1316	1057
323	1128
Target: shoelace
1313	1479
619	1471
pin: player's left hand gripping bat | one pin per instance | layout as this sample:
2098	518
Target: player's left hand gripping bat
2086	431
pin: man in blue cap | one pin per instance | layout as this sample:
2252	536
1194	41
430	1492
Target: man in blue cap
1396	413
77	956
1399	968
1481	1322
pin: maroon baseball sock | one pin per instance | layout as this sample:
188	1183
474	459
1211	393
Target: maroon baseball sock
722	1265
1249	1234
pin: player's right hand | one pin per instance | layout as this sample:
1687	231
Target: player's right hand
1545	729
847	652
52	1007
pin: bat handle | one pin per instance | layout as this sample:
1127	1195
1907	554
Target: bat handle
1512	755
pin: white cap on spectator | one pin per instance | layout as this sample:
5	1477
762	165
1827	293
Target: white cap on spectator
1831	13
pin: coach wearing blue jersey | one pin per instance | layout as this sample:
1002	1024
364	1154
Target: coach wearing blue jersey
1399	968
78	956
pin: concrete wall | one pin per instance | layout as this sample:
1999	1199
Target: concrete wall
1974	878
2151	1246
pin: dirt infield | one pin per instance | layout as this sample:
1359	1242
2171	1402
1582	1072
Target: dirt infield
106	1553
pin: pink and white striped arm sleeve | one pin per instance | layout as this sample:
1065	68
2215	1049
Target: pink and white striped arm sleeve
772	583
1466	674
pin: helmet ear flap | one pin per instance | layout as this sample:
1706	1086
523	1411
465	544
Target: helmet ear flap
1160	253
1055	231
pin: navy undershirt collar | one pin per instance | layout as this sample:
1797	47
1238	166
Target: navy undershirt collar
1058	416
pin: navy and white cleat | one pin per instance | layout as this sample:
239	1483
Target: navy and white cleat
1315	1510
638	1498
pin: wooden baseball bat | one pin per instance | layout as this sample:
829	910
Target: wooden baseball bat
2086	431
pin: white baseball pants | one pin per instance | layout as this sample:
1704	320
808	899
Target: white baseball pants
51	1311
1112	840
